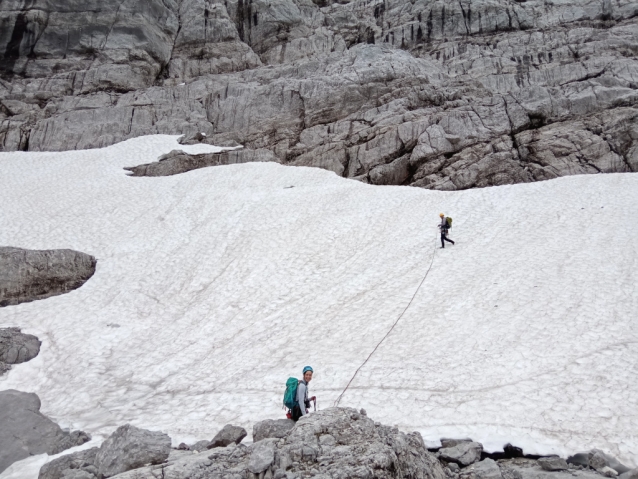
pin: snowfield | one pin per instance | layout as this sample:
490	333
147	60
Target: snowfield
214	286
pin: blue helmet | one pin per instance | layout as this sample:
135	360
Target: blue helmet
306	369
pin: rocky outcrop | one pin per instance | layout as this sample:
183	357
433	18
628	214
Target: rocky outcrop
464	453
336	442
27	275
16	347
177	161
24	431
432	94
272	428
71	464
553	463
228	435
130	448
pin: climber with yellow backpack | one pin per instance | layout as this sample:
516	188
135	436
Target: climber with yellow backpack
446	224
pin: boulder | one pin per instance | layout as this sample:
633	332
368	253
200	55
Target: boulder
448	442
228	435
130	448
553	463
463	454
632	474
24	431
16	347
272	428
199	446
27	275
486	469
597	460
262	456
78	461
608	471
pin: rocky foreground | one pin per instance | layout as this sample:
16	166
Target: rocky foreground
335	443
442	95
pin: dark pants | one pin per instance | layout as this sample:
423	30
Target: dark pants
445	238
296	413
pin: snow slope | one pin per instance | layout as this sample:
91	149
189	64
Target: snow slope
212	287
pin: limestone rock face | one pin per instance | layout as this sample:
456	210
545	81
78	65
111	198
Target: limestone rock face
27	275
433	94
130	448
24	431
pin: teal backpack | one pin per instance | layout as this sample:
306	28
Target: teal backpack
290	396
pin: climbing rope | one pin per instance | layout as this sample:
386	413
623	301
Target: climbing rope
336	403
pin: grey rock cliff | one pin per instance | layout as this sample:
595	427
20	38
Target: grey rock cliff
433	94
27	275
24	431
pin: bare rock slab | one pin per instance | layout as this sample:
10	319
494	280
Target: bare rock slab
553	463
486	469
27	275
78	462
228	435
262	457
277	428
463	454
16	347
129	448
24	431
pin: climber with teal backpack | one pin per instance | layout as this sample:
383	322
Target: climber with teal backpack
446	224
296	395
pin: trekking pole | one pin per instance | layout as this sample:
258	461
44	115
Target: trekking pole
315	403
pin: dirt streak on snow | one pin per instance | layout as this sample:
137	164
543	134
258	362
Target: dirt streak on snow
224	281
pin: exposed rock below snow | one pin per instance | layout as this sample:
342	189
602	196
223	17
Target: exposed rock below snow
553	463
608	471
27	275
228	435
486	469
262	456
272	428
633	474
433	94
130	448
597	460
198	446
177	161
336	442
522	468
449	442
16	347
24	431
464	453
78	462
